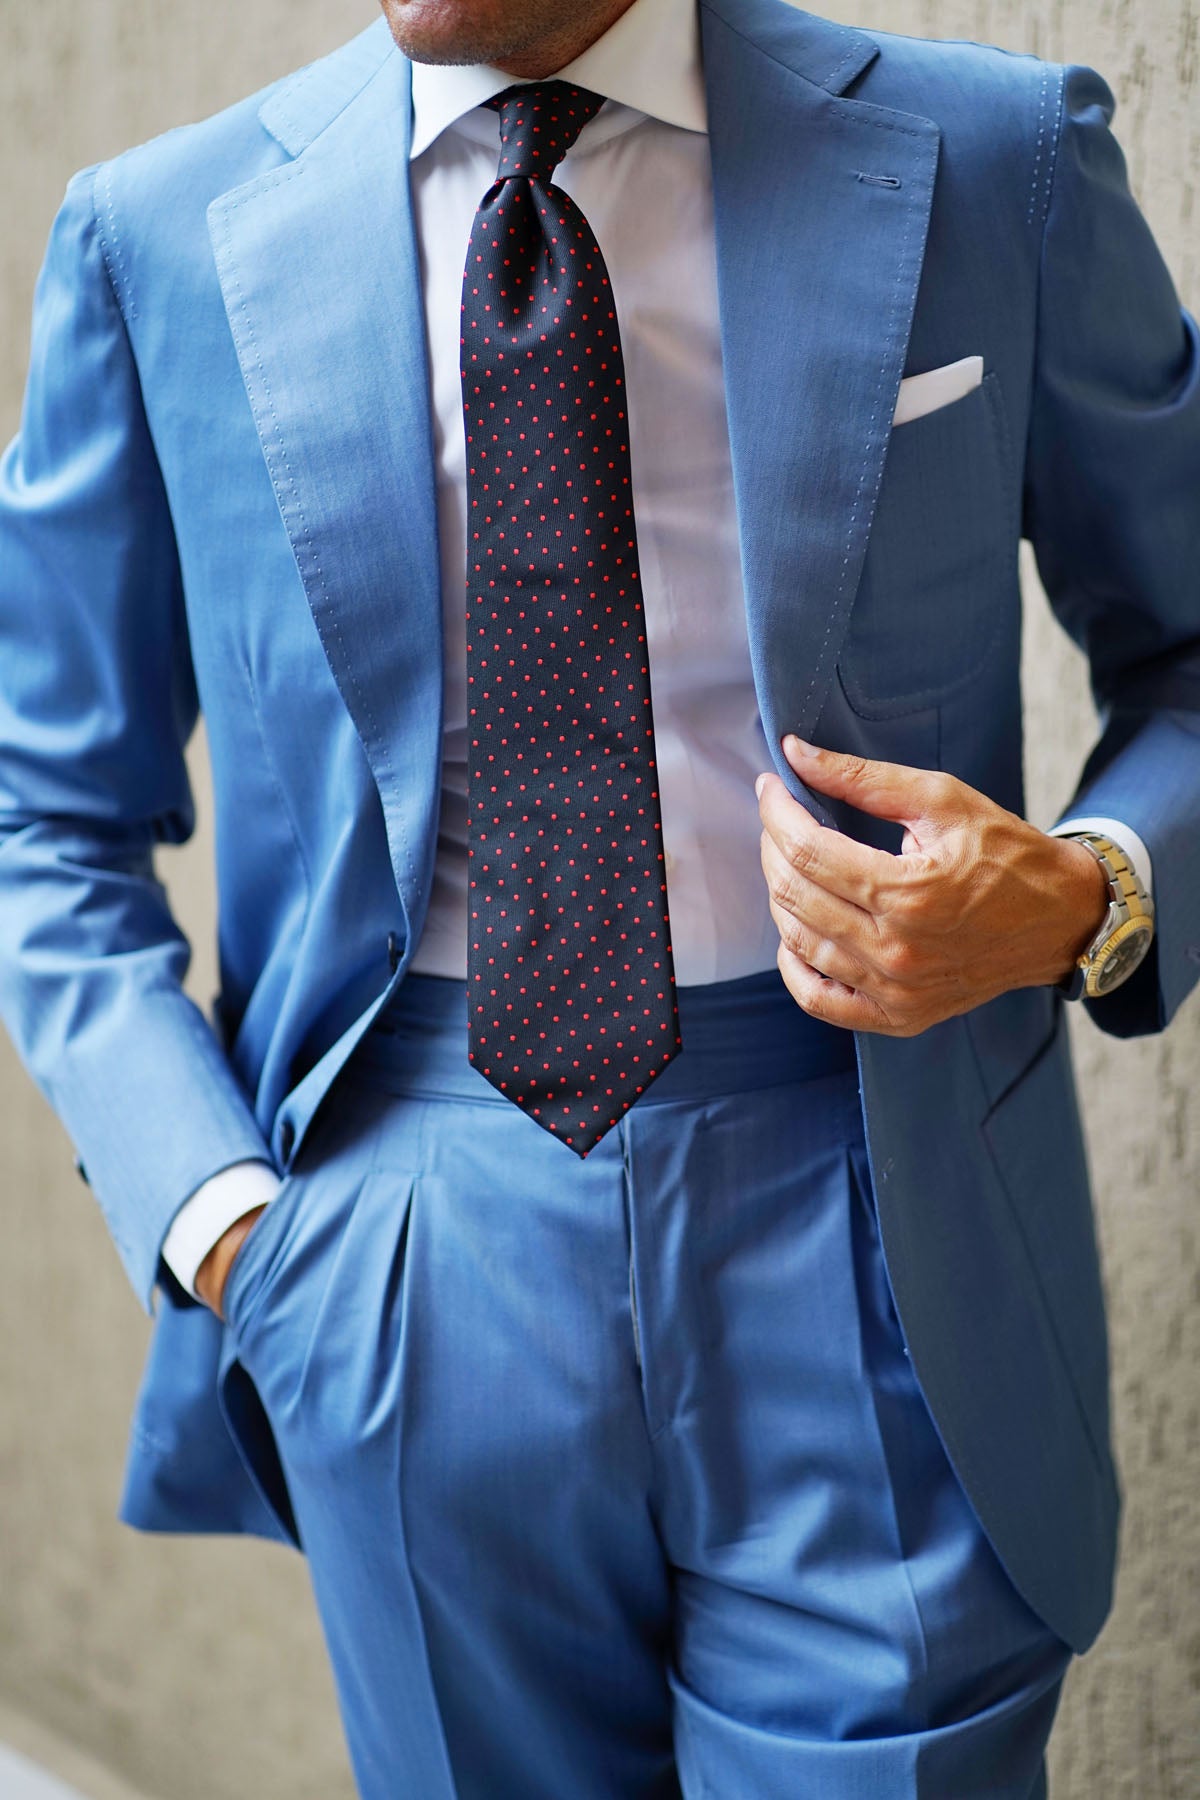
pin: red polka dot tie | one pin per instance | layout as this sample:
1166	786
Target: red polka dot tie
571	992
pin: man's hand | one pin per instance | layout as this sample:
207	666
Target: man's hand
214	1270
977	902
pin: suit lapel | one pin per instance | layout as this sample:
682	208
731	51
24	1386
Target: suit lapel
318	265
822	205
817	272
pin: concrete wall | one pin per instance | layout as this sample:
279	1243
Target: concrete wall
194	1669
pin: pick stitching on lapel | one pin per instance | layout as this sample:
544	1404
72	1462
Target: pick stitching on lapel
818	272
318	266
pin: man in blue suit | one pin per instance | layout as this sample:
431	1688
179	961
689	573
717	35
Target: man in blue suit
764	1450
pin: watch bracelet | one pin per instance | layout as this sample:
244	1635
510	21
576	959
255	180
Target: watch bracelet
1129	904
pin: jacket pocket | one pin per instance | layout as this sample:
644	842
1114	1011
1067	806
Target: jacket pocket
940	576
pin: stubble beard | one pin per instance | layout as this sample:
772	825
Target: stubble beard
501	32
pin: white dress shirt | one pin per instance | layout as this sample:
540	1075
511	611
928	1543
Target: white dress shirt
640	173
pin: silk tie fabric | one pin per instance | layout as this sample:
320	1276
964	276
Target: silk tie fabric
570	986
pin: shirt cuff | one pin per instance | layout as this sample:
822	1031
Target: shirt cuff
210	1211
1123	836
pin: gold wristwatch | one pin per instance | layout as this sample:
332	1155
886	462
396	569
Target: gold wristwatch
1128	929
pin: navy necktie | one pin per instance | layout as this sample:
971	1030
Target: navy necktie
570	986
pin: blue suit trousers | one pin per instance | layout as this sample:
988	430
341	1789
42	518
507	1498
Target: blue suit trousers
614	1476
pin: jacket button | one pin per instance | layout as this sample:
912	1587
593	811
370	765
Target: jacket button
287	1137
393	949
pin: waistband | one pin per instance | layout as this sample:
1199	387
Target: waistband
737	1036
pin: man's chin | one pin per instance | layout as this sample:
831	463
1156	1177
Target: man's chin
450	31
444	55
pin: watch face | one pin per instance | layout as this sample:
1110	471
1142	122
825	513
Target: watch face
1123	958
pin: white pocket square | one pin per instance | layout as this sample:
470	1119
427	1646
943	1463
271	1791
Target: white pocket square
921	394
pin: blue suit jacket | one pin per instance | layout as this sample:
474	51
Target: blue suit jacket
222	496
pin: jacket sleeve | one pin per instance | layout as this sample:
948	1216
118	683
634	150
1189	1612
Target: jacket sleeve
97	701
1112	507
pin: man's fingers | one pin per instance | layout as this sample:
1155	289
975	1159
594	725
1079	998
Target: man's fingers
824	913
888	790
824	954
831	1001
837	1004
830	860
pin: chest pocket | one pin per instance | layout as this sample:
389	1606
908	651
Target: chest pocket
939	584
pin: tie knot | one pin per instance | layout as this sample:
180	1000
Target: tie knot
539	121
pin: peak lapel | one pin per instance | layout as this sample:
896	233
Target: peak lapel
318	264
821	206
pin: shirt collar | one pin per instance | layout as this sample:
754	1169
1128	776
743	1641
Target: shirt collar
649	61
